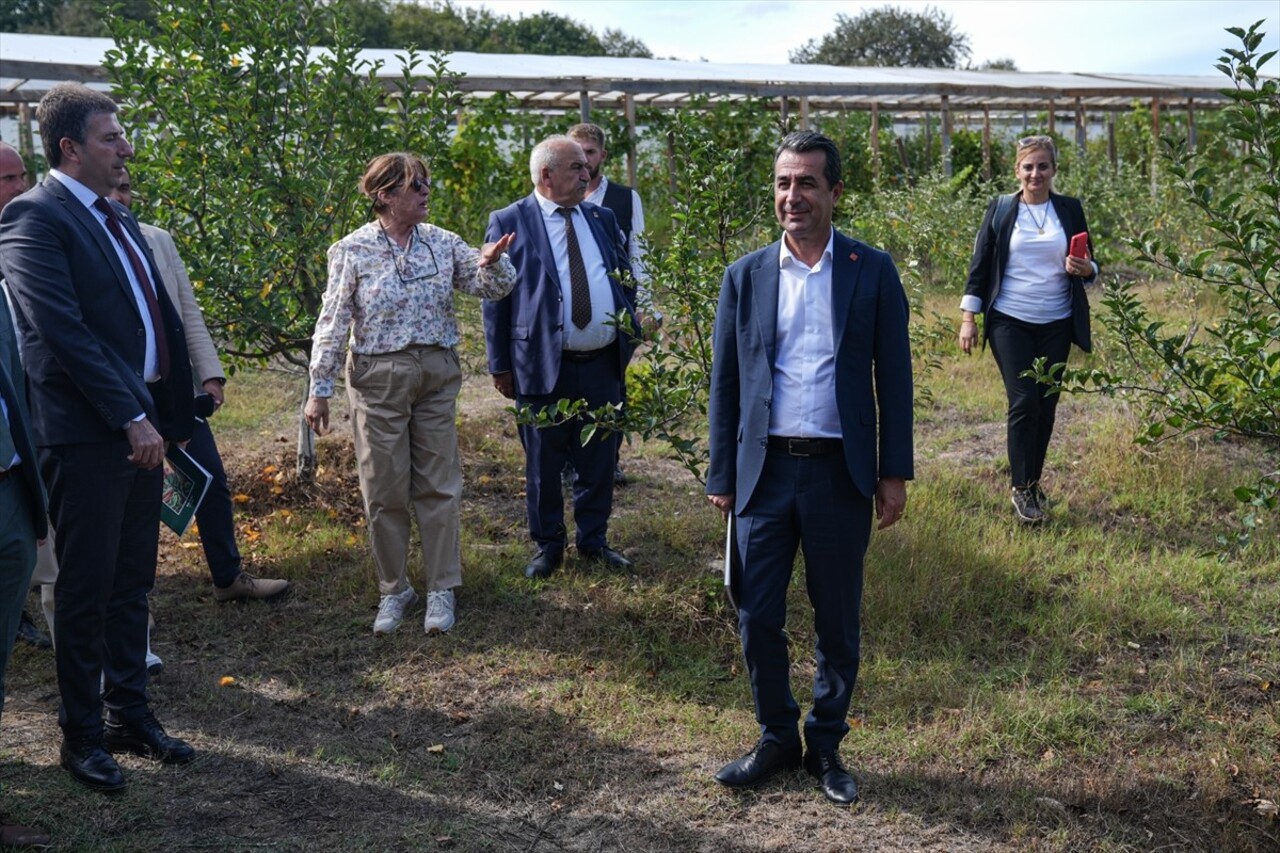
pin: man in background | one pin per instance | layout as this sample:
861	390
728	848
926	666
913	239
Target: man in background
625	204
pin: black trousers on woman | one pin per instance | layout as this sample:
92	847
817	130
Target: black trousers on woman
1016	344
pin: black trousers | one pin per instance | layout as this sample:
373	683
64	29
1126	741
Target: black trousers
106	517
1016	344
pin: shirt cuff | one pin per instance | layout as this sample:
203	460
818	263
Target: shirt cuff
322	388
969	302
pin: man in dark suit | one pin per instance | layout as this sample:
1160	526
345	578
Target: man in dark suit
811	354
110	384
555	337
22	504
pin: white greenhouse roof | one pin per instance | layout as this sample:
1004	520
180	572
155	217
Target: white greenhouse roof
29	64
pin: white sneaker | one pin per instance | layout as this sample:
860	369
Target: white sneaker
439	612
391	610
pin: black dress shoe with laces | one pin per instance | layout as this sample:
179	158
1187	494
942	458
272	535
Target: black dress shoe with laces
606	557
543	564
146	737
92	766
836	782
762	763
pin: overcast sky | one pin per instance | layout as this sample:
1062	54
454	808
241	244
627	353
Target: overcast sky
1082	36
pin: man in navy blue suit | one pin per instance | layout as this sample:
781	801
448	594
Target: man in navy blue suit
566	332
811	355
110	385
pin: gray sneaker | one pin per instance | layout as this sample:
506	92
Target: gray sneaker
440	605
391	610
1026	507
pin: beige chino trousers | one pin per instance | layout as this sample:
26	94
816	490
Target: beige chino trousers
404	407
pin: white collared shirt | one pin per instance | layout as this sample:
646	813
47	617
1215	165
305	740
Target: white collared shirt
635	246
600	332
804	371
86	196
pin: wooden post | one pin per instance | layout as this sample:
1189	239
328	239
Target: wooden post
1081	118
26	146
1053	116
1191	123
1111	140
946	135
804	112
875	142
629	104
671	162
986	142
1155	148
584	106
784	113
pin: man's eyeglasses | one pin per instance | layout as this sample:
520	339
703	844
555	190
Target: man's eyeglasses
405	268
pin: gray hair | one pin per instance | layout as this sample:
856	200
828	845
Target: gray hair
546	155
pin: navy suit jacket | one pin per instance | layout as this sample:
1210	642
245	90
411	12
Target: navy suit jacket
991	256
872	369
82	334
523	329
13	390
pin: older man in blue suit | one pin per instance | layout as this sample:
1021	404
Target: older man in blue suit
811	355
565	332
110	385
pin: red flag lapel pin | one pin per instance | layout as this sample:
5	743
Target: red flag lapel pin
853	256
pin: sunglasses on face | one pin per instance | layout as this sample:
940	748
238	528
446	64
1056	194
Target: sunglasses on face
419	184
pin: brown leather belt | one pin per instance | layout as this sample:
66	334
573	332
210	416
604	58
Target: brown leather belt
805	446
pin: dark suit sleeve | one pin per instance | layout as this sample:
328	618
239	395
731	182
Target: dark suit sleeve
497	312
725	401
893	379
984	257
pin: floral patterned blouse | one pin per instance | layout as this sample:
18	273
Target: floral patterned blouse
391	298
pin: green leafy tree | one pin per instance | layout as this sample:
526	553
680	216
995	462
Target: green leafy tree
249	148
1218	374
618	43
890	37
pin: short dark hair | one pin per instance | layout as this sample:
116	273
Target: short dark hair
64	113
803	141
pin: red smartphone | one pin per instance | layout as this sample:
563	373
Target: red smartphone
1079	247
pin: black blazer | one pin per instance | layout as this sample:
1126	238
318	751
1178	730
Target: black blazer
12	382
991	254
82	334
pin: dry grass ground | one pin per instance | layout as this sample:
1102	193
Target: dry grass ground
1102	684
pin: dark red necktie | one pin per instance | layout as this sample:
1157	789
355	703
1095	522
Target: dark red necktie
144	281
579	288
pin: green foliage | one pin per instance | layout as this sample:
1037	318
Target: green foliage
892	37
250	147
1216	374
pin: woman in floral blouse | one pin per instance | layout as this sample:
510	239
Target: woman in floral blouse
391	286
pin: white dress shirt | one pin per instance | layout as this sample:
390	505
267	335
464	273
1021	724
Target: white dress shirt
600	332
804	372
86	196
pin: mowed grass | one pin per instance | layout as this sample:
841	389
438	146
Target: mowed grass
1106	682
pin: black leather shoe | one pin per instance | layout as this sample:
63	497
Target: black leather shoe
836	782
31	635
91	766
543	564
606	557
764	761
146	737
